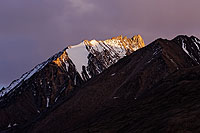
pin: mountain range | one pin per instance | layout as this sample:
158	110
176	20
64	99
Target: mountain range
116	85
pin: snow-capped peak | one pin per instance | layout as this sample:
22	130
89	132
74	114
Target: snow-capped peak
92	57
88	58
79	55
23	78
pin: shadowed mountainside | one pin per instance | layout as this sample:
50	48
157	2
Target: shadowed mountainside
47	84
155	89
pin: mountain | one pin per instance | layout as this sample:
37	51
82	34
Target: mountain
154	89
57	78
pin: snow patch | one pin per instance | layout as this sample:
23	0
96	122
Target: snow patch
79	56
56	99
9	125
115	97
117	47
67	66
149	61
97	46
47	102
191	56
113	46
184	48
113	74
23	78
197	46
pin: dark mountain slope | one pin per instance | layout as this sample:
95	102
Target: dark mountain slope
40	89
154	89
171	106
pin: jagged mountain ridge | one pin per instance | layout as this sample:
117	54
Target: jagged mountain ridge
152	90
85	56
92	57
136	94
55	78
192	49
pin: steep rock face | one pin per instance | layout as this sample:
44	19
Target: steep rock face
191	46
143	92
99	55
53	80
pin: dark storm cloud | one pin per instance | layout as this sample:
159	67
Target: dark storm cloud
33	30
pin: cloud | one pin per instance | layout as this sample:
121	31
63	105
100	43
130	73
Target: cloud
82	6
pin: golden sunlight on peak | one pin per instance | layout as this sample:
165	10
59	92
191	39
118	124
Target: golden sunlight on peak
62	58
117	38
138	39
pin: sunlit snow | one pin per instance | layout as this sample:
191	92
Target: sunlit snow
78	54
24	77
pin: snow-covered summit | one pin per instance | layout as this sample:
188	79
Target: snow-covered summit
88	59
92	57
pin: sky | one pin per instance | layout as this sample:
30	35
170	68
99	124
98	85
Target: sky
33	30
